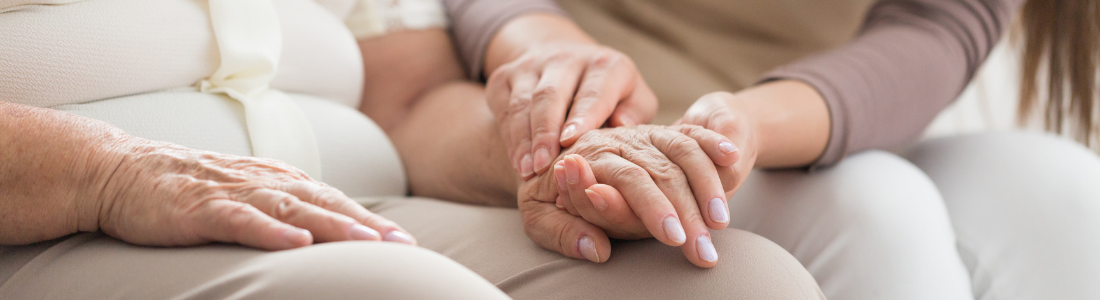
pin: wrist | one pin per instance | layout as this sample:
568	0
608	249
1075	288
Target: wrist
526	32
98	165
790	121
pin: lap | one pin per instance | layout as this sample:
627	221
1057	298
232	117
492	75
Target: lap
491	242
93	266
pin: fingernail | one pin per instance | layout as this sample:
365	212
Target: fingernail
596	199
588	249
727	148
542	158
559	176
525	165
297	237
572	170
626	121
674	230
719	211
558	203
568	132
706	249
363	233
399	237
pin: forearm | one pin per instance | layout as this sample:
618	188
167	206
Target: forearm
452	150
791	121
51	167
396	77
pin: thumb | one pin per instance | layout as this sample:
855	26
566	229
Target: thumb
639	108
557	230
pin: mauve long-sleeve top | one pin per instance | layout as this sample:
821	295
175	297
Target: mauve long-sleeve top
908	62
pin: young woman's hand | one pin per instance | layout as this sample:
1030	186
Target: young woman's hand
553	92
162	194
665	174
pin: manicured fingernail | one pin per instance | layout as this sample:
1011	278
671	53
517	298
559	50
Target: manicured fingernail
572	170
727	148
719	211
363	233
559	176
674	230
525	165
568	132
297	236
706	249
542	158
588	249
399	237
596	199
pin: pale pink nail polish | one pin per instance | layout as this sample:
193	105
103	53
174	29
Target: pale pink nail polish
400	237
363	233
674	230
706	249
727	148
588	249
719	212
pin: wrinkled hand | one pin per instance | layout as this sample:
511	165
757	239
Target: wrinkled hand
531	95
584	196
664	174
167	195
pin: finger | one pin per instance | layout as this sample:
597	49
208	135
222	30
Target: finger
617	219
643	196
718	148
498	95
564	201
518	122
332	199
706	187
325	225
638	108
551	100
234	222
607	80
557	230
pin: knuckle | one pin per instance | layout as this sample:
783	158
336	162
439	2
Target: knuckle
285	207
519	104
631	172
667	172
546	93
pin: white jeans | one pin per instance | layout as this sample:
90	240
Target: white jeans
991	216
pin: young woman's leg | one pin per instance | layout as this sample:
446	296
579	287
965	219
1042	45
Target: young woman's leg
491	242
871	227
1026	210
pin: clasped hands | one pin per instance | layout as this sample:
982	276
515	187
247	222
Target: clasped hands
632	182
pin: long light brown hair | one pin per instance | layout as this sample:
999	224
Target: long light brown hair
1061	47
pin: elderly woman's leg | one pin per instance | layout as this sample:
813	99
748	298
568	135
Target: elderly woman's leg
1026	209
491	242
872	227
93	266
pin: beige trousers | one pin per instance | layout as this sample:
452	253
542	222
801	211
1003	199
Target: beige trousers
488	241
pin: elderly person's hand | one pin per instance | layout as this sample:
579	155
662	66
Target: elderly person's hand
541	82
664	173
167	195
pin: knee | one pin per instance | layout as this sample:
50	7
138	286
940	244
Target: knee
758	263
876	194
366	270
1009	156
